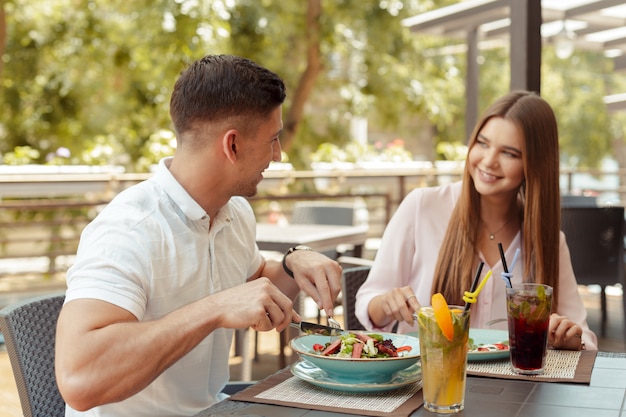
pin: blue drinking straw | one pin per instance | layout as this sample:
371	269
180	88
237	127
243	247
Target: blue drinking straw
506	275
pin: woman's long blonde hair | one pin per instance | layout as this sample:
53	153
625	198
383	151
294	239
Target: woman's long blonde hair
538	197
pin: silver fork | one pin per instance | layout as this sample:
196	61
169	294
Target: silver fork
333	323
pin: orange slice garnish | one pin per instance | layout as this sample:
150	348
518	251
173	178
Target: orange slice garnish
442	315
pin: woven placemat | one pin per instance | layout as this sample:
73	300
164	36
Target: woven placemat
561	366
283	388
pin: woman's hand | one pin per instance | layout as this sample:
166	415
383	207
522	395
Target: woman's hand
564	333
399	304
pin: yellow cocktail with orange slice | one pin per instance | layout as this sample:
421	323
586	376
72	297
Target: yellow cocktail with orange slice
443	334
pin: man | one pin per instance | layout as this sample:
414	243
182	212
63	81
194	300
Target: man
170	267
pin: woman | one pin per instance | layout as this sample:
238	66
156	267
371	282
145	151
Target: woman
509	195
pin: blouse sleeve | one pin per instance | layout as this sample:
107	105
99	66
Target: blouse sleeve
393	259
570	301
409	248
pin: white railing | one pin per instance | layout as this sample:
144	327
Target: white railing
401	178
41	215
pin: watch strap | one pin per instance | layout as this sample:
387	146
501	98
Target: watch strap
289	252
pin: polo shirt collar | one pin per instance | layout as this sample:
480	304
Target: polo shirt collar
176	192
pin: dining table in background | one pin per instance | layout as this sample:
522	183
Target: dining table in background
320	237
603	396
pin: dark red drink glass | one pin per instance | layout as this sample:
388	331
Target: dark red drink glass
528	311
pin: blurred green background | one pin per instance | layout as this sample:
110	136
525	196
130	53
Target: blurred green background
88	81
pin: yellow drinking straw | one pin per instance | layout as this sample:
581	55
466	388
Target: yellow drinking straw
470	297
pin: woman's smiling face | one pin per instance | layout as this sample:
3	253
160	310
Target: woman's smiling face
496	160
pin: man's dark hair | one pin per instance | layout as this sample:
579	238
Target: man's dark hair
220	86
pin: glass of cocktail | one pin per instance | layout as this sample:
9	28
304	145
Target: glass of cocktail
444	358
528	312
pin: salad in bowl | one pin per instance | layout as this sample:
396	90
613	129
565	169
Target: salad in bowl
359	356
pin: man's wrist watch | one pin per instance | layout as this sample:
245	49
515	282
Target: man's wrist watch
289	252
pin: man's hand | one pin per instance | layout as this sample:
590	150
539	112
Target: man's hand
318	276
258	304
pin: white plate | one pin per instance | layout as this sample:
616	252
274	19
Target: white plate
310	373
488	337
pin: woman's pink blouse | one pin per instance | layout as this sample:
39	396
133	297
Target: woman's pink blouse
408	254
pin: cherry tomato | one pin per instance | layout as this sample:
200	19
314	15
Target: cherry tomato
317	347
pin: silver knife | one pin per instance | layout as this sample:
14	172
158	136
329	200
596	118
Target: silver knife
314	328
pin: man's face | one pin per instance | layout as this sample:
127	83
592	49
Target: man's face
260	148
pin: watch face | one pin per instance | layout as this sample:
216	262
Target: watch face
299	247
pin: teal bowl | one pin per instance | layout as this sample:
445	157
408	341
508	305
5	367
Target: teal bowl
358	370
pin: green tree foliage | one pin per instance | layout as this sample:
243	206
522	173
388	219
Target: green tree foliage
95	76
91	74
575	87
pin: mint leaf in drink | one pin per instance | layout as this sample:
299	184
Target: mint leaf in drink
524	309
541	293
542	311
471	345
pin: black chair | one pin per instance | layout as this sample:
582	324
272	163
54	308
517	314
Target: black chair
351	281
29	330
595	236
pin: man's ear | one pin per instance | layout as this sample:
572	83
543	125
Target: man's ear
230	145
